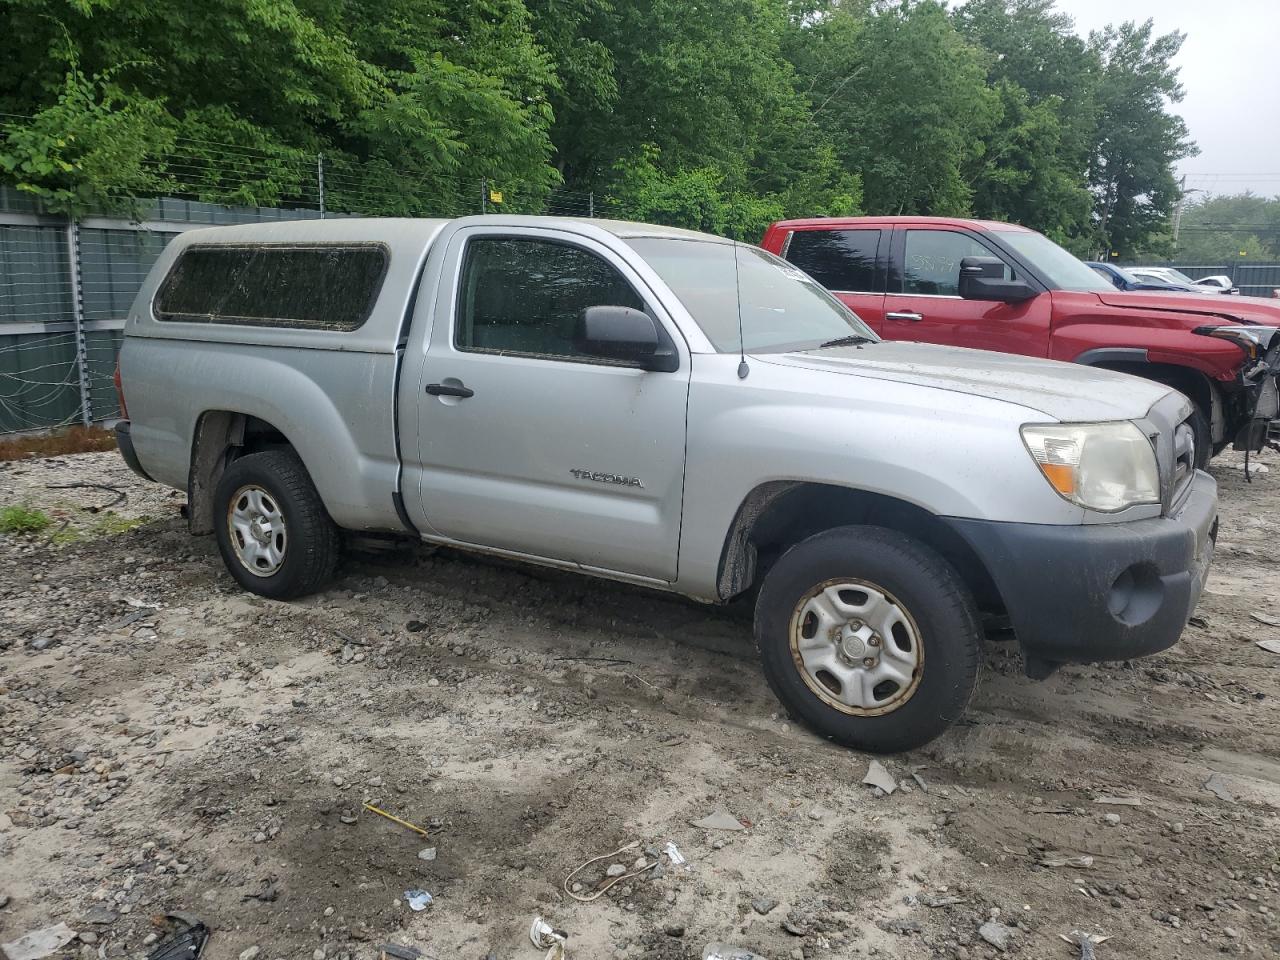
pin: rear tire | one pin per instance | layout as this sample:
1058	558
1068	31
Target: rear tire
274	534
869	638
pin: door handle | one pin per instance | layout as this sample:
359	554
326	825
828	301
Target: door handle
449	390
910	315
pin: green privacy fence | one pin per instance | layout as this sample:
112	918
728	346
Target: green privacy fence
1254	278
66	287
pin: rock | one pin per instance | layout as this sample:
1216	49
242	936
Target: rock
878	776
1113	819
673	930
88	936
996	934
720	820
251	953
1231	933
317	954
818	813
1177	826
615	870
4	900
763	905
427	853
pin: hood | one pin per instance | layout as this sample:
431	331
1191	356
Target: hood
1060	391
1210	306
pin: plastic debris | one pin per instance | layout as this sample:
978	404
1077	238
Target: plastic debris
39	943
1271	646
418	899
187	942
878	776
727	951
720	820
673	854
1266	620
427	853
1079	863
546	937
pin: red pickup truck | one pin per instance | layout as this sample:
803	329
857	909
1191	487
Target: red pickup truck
996	286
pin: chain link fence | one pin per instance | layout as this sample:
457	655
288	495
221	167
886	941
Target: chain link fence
66	284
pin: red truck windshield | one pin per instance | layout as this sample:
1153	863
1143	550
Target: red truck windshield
1060	268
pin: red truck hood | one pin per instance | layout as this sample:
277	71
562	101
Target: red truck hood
1212	306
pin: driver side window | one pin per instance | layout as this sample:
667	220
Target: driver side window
931	262
524	296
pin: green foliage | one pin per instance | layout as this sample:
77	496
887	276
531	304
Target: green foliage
22	519
1220	229
1137	140
722	114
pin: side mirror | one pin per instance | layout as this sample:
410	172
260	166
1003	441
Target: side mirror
626	334
982	278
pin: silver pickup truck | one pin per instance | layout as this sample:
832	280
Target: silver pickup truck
675	410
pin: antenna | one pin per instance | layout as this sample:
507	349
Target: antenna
743	369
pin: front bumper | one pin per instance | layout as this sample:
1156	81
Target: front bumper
1079	594
124	440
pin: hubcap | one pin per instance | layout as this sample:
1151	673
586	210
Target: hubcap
856	647
257	530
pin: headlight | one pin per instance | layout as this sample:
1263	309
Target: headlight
1098	466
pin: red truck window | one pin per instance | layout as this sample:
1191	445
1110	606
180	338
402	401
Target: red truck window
843	260
932	262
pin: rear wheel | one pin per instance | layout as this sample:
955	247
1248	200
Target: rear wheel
275	536
869	638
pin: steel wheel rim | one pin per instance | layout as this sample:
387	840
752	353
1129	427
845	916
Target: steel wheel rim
857	648
256	529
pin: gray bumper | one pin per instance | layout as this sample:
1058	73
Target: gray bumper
1078	594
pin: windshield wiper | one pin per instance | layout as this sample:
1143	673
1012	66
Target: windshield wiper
848	341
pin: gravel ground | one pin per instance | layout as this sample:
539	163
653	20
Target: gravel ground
168	742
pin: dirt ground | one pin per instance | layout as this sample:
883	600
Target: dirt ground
168	742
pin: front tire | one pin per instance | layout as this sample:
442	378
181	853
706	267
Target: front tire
869	638
274	534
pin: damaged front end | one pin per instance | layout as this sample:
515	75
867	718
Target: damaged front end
1257	401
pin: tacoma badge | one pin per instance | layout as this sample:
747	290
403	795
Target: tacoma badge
607	478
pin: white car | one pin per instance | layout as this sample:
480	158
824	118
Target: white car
1219	283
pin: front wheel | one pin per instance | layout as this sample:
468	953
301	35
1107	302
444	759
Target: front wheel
869	638
273	531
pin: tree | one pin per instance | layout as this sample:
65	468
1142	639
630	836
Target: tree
1033	170
1137	140
905	100
1218	229
413	100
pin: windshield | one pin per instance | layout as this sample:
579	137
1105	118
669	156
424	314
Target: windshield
1063	270
782	308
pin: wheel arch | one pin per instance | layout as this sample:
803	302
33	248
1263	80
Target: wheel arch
220	437
1197	386
779	514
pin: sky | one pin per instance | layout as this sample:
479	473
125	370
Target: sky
1230	71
